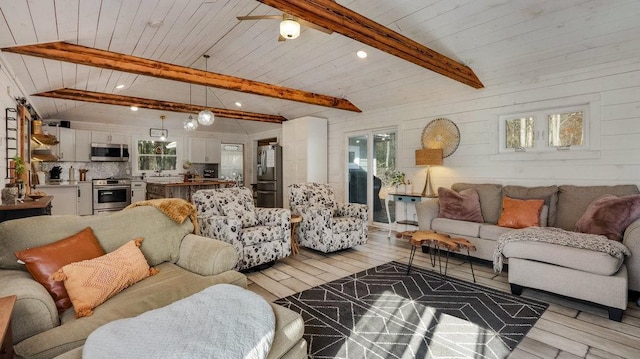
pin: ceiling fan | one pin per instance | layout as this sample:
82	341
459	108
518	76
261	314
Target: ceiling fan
289	25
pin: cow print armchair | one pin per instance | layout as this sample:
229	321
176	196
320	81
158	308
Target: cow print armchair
327	225
259	235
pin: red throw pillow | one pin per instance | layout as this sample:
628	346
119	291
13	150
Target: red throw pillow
463	205
43	261
610	215
519	213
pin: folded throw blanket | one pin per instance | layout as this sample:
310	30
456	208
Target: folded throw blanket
175	208
594	242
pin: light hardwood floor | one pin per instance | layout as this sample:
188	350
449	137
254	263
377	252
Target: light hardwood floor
568	329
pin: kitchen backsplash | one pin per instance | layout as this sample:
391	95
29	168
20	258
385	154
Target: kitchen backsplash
95	169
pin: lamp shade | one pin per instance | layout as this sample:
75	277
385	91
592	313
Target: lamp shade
190	124
429	157
289	29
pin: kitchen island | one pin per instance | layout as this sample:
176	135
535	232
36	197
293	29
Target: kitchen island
182	190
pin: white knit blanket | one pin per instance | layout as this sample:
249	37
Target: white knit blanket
594	242
223	321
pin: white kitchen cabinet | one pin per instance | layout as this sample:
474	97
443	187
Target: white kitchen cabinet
85	198
66	149
65	199
109	137
83	145
204	150
138	191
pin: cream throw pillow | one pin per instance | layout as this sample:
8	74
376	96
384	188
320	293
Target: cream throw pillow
91	282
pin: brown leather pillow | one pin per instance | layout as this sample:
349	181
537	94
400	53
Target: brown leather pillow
519	213
463	205
45	260
610	215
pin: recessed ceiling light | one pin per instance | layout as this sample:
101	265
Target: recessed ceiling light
121	86
155	23
361	54
238	104
134	108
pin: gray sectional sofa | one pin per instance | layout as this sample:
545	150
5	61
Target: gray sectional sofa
574	272
187	263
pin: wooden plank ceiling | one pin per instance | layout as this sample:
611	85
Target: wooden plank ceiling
509	44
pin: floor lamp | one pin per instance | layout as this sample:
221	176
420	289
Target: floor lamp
428	157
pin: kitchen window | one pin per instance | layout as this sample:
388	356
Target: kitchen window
156	156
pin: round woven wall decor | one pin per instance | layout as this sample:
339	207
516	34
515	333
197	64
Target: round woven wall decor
441	133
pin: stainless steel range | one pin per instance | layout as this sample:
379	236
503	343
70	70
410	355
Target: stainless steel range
111	194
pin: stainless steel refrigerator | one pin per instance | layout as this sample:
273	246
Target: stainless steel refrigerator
269	186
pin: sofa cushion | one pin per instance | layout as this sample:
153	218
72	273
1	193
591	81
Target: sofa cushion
574	200
610	215
490	199
162	239
549	194
453	226
520	213
463	205
43	261
492	231
576	258
91	282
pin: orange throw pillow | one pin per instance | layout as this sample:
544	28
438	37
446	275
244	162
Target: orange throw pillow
518	213
91	282
43	261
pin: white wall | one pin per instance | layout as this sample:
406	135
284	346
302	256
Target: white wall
614	89
9	90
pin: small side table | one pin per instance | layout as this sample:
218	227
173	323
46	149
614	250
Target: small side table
295	221
6	335
437	241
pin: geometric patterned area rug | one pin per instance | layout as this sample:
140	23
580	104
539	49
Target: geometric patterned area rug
384	313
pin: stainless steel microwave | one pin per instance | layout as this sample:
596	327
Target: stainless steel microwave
104	152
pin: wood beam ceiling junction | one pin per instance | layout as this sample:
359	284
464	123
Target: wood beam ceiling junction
111	99
333	16
83	55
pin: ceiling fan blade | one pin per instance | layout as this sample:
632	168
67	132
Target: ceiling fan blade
314	26
281	38
259	17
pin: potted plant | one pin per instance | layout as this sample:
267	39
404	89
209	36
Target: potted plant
20	170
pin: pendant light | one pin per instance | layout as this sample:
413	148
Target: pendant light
205	117
163	137
190	124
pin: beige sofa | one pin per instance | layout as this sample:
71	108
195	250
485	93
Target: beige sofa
188	264
579	273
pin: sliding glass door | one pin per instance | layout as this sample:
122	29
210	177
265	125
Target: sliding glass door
371	156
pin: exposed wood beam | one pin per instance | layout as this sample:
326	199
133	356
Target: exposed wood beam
333	16
111	99
83	55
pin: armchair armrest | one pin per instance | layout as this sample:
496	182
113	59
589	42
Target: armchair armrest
34	311
206	256
352	210
224	228
426	212
272	216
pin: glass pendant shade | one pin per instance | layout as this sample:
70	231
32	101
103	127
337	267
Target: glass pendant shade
206	118
289	29
190	124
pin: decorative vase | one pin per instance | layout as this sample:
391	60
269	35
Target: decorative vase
20	186
10	195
